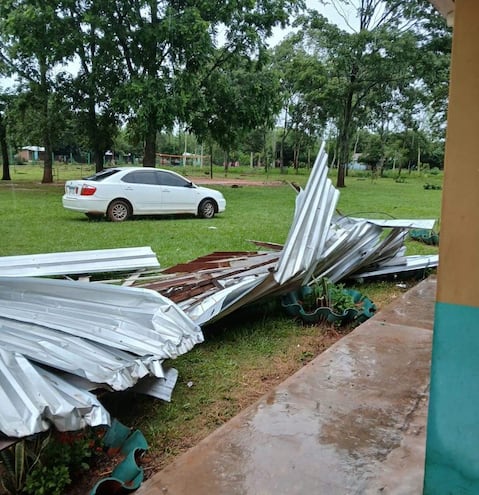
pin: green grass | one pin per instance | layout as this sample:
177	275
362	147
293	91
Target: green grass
33	220
243	355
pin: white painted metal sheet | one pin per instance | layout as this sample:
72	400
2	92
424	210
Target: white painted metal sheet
78	262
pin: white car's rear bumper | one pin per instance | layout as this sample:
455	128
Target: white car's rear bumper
84	204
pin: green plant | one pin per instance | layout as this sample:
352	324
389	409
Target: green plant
13	467
19	460
324	293
48	480
46	463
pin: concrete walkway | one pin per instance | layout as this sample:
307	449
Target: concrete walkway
352	421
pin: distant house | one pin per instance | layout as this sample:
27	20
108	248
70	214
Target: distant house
357	166
32	153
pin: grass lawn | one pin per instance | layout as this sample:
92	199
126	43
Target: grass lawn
245	354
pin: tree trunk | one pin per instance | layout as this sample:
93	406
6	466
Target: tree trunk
4	148
47	161
346	130
226	156
149	157
342	158
95	140
296	156
98	158
211	161
344	140
283	140
47	139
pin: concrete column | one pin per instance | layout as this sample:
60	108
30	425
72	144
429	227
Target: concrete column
452	450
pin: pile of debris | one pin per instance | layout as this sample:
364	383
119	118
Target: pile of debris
320	244
62	339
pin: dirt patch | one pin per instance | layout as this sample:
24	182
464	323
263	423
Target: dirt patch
235	182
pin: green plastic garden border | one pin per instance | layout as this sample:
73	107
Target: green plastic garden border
291	302
127	475
423	235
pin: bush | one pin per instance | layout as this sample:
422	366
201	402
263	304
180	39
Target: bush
48	480
46	464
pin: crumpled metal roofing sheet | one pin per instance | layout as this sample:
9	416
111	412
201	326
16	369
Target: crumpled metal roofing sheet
407	223
116	337
402	265
139	321
32	399
106	334
319	244
75	262
314	209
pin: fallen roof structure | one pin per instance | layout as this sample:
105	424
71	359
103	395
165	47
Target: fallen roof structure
60	339
320	244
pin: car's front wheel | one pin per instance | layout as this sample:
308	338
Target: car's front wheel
207	209
119	210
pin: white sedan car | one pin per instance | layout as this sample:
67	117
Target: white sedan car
122	192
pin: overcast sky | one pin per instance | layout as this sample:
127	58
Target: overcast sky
330	12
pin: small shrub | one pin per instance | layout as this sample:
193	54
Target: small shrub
46	464
328	295
48	480
432	186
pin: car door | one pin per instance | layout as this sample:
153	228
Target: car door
142	189
178	194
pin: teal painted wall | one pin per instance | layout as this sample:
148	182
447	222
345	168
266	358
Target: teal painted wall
452	451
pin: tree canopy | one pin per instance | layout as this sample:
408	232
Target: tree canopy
89	72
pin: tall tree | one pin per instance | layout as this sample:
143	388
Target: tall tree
305	105
165	46
380	55
91	88
33	42
242	96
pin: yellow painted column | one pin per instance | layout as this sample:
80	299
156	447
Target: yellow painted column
452	450
459	270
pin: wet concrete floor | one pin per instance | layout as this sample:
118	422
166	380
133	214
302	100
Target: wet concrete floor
352	421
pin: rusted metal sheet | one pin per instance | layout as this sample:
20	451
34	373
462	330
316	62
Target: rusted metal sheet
217	259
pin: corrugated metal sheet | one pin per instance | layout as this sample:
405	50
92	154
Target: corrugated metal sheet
405	223
306	239
402	265
75	262
32	399
107	335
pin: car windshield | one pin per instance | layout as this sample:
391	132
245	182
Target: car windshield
99	176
